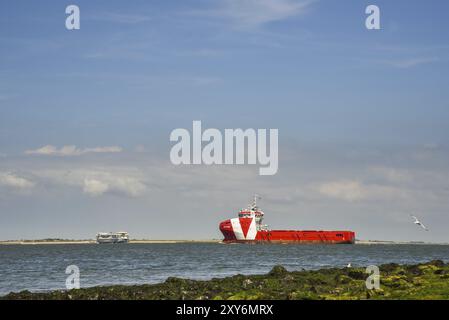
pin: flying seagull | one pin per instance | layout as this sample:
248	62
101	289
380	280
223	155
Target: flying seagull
419	223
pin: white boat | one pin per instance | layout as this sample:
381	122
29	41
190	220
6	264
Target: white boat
113	237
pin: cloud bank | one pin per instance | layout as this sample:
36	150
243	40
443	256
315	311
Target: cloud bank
11	180
71	150
254	13
97	181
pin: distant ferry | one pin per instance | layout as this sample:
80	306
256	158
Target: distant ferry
248	228
112	237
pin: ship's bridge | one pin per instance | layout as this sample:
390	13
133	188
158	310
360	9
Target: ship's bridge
250	213
256	215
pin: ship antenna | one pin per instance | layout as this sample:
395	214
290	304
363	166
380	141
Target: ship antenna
256	196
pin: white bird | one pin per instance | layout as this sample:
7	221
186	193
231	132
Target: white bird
419	223
349	265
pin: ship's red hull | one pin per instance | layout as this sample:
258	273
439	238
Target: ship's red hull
239	231
306	237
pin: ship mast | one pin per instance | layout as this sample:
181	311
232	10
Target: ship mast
254	205
258	214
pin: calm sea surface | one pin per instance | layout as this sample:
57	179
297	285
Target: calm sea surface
42	267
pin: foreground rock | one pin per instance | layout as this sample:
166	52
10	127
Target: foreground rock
422	281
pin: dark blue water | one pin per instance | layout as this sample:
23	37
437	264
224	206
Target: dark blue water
42	267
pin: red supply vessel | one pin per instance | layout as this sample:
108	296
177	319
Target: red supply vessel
248	228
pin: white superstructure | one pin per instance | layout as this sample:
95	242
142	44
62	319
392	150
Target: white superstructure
112	237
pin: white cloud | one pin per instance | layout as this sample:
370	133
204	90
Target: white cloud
103	149
392	175
254	13
410	62
71	150
11	180
353	190
344	190
98	181
95	187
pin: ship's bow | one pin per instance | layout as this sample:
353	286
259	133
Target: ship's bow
227	231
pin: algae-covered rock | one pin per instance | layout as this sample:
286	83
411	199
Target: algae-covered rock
390	267
343	279
437	263
414	270
396	281
278	271
357	274
247	283
300	295
428	268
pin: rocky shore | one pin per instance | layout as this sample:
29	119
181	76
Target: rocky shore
422	281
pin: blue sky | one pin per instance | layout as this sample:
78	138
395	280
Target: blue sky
363	115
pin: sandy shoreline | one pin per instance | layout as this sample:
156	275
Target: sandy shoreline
147	241
46	242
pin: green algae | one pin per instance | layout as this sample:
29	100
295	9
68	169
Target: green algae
422	281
